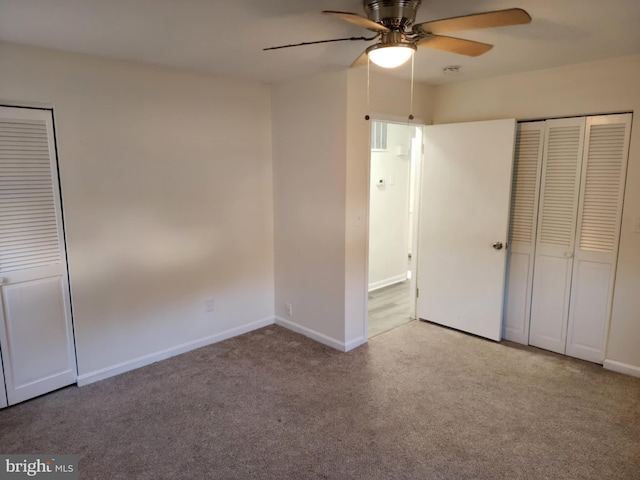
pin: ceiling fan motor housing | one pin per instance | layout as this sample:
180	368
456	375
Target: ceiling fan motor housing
393	14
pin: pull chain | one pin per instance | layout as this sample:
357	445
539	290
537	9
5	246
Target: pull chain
413	57
367	117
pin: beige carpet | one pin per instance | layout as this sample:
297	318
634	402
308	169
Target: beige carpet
419	402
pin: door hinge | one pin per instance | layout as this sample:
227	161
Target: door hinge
417	293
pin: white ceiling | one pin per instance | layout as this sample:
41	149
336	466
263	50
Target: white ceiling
227	37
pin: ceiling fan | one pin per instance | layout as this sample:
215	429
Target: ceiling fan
398	36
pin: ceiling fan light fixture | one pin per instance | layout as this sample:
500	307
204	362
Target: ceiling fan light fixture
390	56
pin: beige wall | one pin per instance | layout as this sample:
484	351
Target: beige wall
599	87
321	190
166	180
309	144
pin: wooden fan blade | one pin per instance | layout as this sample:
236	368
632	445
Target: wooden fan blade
500	18
361	60
455	45
357	20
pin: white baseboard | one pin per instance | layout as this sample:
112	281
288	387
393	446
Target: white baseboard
622	368
319	337
387	281
145	360
355	343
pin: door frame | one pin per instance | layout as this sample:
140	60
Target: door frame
416	122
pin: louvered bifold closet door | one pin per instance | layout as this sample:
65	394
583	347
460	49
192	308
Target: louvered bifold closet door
522	230
599	215
555	239
36	338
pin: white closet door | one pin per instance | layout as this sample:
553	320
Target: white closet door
556	233
36	336
522	230
599	215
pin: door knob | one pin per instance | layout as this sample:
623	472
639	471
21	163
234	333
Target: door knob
498	245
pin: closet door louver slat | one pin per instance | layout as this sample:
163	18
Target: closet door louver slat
562	163
602	187
26	196
523	195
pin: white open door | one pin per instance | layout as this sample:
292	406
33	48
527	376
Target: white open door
464	215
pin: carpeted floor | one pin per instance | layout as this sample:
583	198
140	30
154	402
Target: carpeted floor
418	402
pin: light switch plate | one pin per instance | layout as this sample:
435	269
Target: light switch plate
636	225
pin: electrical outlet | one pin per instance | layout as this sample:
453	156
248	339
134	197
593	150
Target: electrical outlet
289	309
208	305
